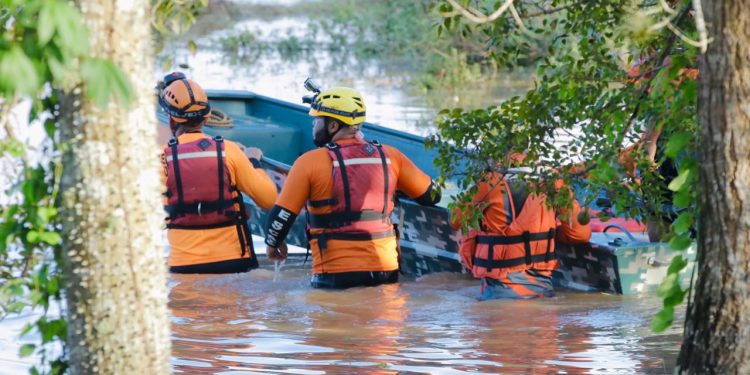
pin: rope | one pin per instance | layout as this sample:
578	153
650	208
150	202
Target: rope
219	119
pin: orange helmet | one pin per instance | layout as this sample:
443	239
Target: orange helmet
183	99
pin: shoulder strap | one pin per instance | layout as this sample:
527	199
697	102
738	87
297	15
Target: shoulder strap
344	178
219	143
176	166
379	147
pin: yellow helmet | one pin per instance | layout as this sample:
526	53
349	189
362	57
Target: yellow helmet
342	103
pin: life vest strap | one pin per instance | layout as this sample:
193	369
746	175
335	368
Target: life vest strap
199	208
207	226
342	219
323	202
508	263
526	238
510	240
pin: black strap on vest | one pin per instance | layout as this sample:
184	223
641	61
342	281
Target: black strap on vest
526	238
344	178
219	143
323	202
379	147
176	165
243	231
207	226
199	208
507	263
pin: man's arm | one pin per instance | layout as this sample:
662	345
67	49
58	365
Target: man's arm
283	214
413	182
251	179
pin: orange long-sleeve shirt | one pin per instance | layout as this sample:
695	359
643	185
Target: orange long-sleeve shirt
311	179
198	246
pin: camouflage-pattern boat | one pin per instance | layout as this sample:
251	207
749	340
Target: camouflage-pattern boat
611	263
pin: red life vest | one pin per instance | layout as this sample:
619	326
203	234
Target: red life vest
200	193
527	243
363	189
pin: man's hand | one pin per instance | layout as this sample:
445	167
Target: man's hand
277	253
253	153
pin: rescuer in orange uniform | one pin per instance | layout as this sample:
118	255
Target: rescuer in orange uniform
205	178
513	252
349	185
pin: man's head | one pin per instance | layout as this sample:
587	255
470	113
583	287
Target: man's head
185	102
339	110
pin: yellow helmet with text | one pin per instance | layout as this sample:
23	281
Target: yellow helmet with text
342	103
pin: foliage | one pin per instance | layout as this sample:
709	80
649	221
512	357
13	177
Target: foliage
44	48
608	80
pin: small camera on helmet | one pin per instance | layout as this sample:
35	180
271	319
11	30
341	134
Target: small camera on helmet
311	85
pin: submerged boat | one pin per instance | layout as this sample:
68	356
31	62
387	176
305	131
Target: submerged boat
618	262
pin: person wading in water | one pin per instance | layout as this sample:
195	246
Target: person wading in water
205	178
349	185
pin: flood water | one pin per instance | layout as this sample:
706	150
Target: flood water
249	324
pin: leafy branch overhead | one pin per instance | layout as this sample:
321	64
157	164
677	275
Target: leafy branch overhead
612	112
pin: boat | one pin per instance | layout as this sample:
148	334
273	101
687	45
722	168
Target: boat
613	262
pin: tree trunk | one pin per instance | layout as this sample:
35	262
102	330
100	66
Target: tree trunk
116	293
717	332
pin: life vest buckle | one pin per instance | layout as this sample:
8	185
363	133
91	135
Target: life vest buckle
199	208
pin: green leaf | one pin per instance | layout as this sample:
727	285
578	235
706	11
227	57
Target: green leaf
678	263
16	307
17	74
680	182
192	47
71	29
663	319
676	297
683	223
680	242
682	199
667	286
33	236
104	79
52	238
677	143
46	213
26	350
46	23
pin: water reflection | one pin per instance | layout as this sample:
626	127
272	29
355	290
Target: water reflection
246	324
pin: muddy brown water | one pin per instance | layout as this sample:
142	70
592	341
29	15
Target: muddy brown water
251	324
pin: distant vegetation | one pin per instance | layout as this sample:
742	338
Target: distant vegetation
393	33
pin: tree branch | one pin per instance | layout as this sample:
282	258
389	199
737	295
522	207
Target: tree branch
477	16
544	12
